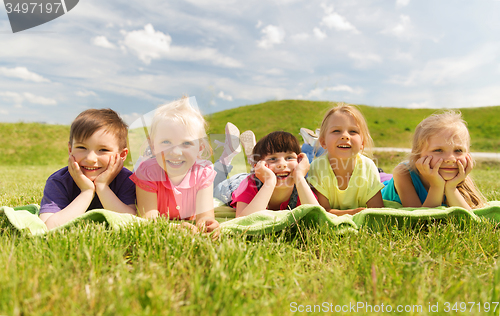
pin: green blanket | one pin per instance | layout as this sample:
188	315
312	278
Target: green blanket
25	218
273	221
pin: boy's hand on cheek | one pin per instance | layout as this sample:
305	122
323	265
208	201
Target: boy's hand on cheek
115	165
76	173
302	167
263	173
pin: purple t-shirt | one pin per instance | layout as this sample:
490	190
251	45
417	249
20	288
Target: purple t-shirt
60	190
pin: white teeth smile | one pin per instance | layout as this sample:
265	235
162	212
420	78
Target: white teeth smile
175	162
282	175
344	146
89	168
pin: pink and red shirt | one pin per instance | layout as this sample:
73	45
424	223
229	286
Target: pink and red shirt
248	190
174	201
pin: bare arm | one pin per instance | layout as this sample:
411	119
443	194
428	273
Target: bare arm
404	187
435	193
306	195
108	198
205	218
453	196
376	201
79	205
259	202
322	200
147	204
76	208
262	198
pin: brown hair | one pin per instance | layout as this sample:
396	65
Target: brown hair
275	142
90	121
435	125
358	117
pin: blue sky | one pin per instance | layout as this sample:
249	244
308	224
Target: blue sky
132	56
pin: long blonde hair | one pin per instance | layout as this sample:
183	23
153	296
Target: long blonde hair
434	125
358	117
182	112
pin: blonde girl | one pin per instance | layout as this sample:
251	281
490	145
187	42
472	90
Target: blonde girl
438	169
344	180
177	182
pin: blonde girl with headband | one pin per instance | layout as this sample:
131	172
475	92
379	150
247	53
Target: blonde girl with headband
177	182
344	180
438	169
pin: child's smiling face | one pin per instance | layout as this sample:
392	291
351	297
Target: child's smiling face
93	154
282	164
343	137
439	147
176	150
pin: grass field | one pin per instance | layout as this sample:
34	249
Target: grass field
155	270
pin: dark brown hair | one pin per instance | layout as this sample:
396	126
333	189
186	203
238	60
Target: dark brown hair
89	121
275	142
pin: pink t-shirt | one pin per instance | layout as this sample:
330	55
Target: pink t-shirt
174	201
248	190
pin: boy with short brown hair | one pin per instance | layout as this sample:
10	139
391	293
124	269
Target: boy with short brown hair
95	177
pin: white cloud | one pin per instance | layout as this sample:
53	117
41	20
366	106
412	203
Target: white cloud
14	97
274	71
364	59
202	54
319	93
22	73
402	28
420	105
4	112
402	3
147	44
315	93
131	118
19	98
403	56
319	34
345	88
300	36
224	96
38	99
102	41
333	20
272	35
85	93
442	71
201	39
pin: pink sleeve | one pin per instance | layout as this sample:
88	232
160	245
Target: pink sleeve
206	176
245	192
147	176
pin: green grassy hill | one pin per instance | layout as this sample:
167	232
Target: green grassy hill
389	127
42	144
33	144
